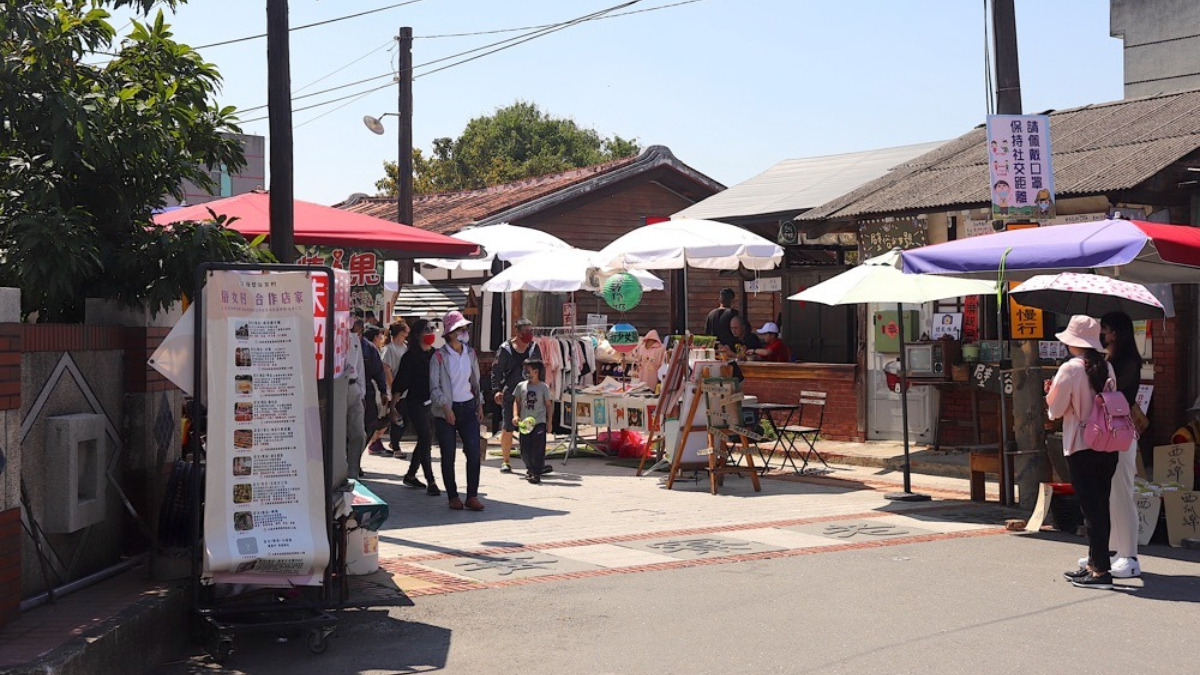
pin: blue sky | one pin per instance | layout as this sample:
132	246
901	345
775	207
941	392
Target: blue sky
730	86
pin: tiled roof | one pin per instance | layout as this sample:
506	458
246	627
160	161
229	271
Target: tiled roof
795	185
1097	149
449	212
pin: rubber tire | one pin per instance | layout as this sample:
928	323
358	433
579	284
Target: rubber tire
221	650
317	641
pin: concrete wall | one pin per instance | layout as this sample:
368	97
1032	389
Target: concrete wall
1162	38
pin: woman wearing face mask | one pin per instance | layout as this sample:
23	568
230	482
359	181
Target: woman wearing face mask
413	377
457	407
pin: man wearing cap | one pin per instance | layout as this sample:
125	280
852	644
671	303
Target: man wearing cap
773	348
506	374
457	407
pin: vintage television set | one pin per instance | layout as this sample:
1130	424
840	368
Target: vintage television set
931	359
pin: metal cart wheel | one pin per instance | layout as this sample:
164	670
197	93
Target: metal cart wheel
317	640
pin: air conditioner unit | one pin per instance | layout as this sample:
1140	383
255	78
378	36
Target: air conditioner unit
789	233
596	278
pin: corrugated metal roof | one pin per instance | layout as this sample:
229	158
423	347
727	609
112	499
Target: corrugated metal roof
1097	149
794	185
433	300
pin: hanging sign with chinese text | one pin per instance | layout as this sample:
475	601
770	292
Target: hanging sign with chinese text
365	268
1025	323
1022	179
877	238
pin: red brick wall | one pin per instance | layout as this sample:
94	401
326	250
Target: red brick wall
139	344
782	383
10	366
1168	404
957	422
10	565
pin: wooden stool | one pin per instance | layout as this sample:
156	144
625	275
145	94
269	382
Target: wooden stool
985	459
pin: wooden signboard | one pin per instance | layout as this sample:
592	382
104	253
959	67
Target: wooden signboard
905	233
1183	516
1173	464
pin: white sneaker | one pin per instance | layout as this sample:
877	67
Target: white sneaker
1126	568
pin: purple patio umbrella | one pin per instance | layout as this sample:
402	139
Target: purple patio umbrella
1127	249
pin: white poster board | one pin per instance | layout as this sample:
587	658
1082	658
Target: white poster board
1148	507
264	518
948	324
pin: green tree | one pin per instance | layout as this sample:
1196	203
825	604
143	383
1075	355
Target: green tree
515	142
88	150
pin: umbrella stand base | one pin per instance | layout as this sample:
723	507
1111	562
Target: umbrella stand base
906	497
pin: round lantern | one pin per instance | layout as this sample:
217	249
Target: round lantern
623	337
622	291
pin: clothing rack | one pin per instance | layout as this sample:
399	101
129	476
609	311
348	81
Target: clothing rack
572	332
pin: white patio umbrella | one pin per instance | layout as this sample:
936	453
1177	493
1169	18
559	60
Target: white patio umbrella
509	243
880	280
686	242
559	271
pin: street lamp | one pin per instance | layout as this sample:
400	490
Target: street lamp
375	124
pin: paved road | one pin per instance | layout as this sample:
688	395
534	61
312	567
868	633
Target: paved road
802	578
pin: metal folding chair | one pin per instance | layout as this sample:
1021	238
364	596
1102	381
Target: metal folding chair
812	404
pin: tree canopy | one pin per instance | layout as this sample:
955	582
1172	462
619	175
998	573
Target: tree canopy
96	130
515	142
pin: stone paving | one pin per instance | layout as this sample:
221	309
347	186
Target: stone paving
594	517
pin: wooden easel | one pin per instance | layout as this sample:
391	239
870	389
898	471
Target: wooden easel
720	453
669	397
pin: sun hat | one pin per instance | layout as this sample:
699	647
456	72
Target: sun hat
769	327
453	321
1082	331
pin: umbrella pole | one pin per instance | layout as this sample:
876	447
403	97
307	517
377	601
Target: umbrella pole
908	495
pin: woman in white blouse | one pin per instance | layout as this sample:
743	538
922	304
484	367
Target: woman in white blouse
1070	397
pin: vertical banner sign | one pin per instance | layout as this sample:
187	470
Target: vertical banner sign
340	306
569	314
970	325
1025	323
1022	178
264	520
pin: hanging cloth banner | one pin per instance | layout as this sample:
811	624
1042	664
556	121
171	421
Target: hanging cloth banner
264	520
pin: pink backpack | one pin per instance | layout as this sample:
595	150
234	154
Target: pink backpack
1110	427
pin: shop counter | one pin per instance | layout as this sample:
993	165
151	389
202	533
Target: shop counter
845	416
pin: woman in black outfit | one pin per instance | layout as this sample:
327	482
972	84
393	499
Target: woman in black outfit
413	378
1116	331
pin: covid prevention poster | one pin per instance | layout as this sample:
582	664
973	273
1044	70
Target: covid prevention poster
264	520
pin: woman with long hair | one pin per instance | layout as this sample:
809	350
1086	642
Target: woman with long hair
412	381
1116	332
1071	397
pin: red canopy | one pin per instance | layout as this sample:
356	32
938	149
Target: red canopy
325	226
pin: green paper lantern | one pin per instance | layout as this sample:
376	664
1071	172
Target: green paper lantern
623	337
622	291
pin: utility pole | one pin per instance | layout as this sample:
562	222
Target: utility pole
404	167
279	106
1031	464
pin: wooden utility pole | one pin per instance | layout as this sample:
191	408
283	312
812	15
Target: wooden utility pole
279	107
404	167
1030	463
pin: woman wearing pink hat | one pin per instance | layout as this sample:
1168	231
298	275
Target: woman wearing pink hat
457	407
1071	397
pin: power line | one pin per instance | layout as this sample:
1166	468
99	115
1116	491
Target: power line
390	42
324	103
309	25
551	25
500	46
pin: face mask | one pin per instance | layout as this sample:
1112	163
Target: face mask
428	339
526	336
464	337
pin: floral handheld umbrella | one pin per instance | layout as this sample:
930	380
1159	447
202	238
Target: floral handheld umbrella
1089	294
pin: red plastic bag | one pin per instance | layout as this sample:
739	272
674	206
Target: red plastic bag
632	445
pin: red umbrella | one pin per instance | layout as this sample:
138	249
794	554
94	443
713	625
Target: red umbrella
326	226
